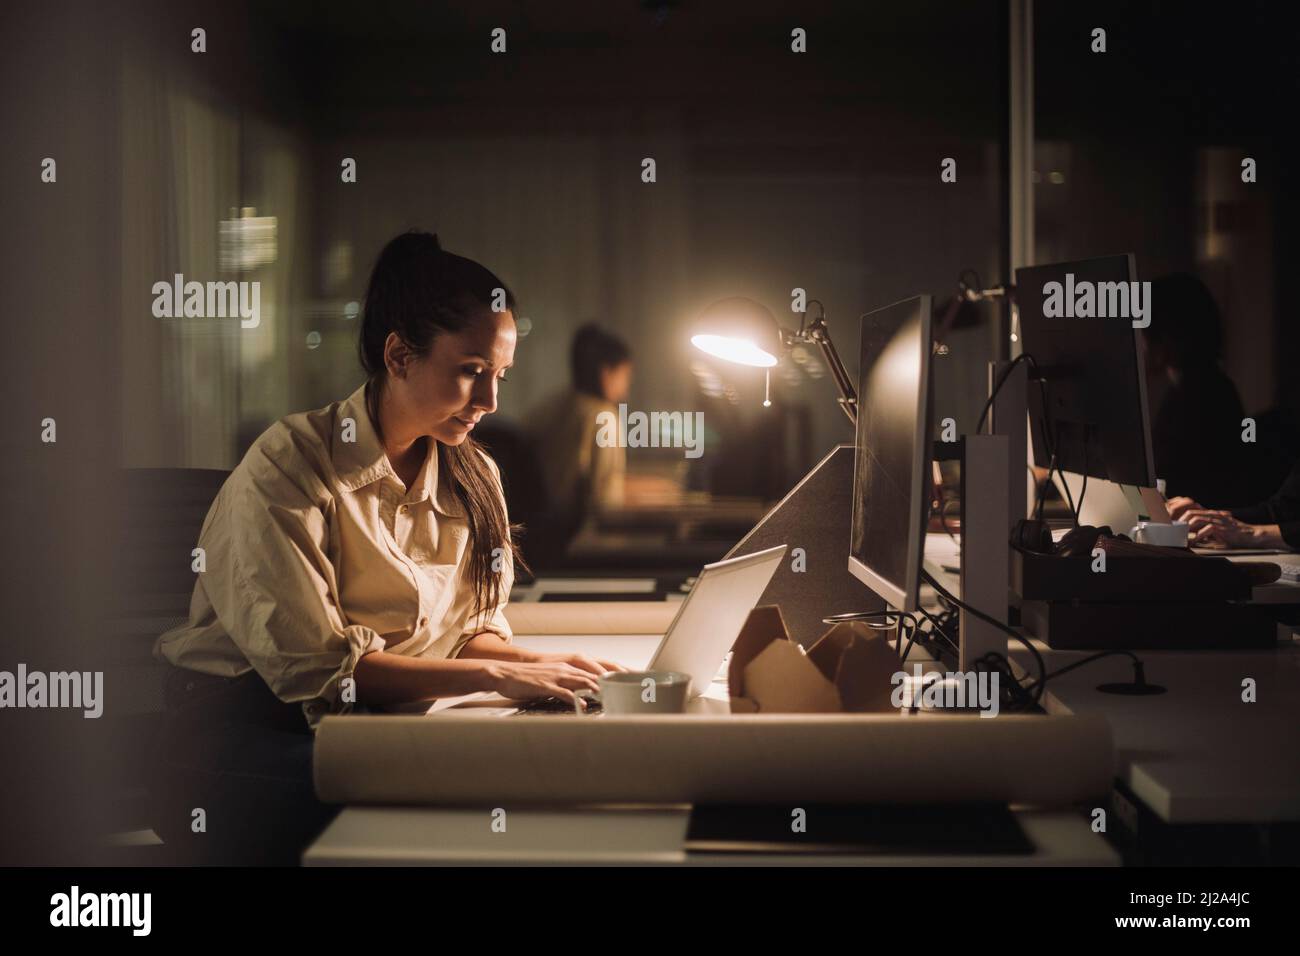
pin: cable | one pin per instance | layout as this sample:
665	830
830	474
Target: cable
987	619
1066	496
1018	692
1013	695
1040	495
1002	380
1048	434
865	616
1069	498
1084	489
885	613
911	636
942	512
939	630
1137	662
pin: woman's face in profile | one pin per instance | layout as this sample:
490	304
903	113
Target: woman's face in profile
451	387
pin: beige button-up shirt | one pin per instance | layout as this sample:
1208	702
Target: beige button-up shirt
316	554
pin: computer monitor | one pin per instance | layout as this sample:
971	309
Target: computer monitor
1092	371
891	475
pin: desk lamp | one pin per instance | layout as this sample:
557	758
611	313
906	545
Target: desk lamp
744	331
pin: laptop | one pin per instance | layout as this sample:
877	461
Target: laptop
705	626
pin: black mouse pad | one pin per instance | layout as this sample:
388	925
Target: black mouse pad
909	830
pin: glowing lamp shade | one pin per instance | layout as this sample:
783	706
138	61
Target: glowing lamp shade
739	330
741	351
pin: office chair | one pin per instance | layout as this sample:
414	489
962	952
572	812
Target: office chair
162	512
547	530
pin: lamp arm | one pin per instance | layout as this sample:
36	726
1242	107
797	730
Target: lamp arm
997	292
973	292
819	332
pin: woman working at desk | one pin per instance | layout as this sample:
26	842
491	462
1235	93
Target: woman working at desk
359	555
1274	523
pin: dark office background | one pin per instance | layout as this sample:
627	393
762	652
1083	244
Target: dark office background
774	171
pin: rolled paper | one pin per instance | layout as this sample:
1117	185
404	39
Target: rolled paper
451	759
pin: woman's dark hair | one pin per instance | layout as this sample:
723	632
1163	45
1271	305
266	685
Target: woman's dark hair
419	290
595	349
1185	319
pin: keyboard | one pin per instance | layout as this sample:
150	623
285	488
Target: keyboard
553	705
1290	572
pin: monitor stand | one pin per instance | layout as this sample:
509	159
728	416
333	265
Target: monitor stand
985	551
1117	506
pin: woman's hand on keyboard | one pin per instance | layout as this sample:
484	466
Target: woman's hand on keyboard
592	665
526	680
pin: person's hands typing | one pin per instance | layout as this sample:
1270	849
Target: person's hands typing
592	665
1178	507
519	680
1219	529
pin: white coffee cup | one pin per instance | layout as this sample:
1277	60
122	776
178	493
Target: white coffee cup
644	692
1165	535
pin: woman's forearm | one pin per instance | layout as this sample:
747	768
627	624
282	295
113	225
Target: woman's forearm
384	678
1269	536
488	646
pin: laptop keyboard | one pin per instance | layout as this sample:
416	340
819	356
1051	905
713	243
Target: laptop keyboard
554	705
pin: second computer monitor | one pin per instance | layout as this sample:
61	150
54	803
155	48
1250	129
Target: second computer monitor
891	477
1091	364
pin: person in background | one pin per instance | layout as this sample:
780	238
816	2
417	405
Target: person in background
580	475
1274	523
1196	426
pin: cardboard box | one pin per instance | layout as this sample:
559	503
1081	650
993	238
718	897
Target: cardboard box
849	669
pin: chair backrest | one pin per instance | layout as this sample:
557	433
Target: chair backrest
164	511
524	485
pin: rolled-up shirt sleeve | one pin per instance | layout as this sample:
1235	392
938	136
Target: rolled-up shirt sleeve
495	623
1282	509
276	593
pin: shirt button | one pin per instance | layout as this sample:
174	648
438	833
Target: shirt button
424	621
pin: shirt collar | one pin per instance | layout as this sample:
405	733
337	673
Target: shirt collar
363	461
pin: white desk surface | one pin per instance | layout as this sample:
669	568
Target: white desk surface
395	836
413	836
1196	754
